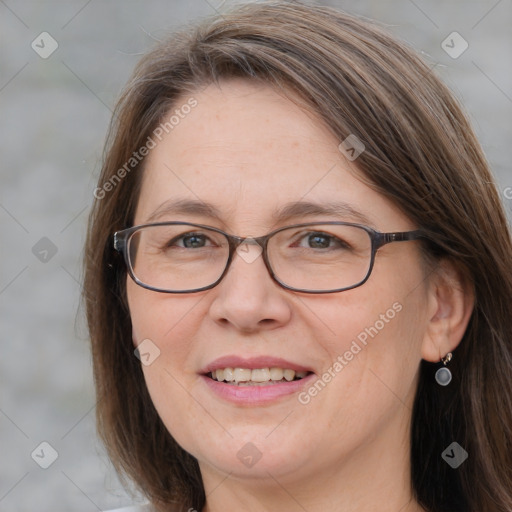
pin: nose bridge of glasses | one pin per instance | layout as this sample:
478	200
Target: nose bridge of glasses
237	241
248	238
248	248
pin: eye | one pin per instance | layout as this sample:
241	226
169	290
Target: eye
190	241
320	240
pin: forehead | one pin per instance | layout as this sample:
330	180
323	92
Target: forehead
246	125
247	150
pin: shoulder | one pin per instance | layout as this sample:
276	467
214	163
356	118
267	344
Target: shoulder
134	508
147	507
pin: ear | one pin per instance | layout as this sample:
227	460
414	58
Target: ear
450	305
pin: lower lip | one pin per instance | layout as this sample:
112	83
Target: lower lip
254	395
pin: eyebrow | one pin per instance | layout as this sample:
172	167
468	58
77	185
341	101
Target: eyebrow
286	212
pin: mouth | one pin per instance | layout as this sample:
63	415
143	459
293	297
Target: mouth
255	381
256	376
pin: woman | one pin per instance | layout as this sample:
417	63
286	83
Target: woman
297	276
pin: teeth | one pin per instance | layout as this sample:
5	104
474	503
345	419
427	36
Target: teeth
242	374
260	375
276	373
257	375
289	375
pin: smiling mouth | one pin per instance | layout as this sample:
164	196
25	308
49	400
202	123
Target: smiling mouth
256	376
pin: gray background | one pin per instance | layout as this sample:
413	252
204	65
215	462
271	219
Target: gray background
54	116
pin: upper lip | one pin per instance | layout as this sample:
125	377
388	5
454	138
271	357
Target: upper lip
253	363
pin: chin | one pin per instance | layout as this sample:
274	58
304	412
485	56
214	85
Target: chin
253	455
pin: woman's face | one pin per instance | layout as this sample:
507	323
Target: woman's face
248	151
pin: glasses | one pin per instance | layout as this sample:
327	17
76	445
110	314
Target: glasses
317	257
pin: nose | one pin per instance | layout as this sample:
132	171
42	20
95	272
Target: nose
248	298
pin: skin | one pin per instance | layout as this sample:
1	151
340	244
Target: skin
248	150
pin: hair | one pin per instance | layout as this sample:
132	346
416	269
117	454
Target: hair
420	152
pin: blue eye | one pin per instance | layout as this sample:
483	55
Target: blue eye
194	240
321	240
188	241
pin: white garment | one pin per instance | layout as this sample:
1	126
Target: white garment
134	508
147	507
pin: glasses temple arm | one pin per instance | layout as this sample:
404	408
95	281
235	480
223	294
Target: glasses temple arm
119	242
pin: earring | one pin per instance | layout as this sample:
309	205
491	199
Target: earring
444	375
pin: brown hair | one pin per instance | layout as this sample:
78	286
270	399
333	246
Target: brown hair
420	152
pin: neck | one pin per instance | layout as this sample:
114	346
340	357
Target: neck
374	476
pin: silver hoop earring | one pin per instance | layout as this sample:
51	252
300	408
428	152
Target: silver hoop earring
444	375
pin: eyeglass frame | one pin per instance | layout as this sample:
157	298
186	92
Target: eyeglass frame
378	240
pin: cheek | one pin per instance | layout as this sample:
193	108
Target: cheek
161	317
370	372
366	337
164	327
358	320
169	321
374	334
